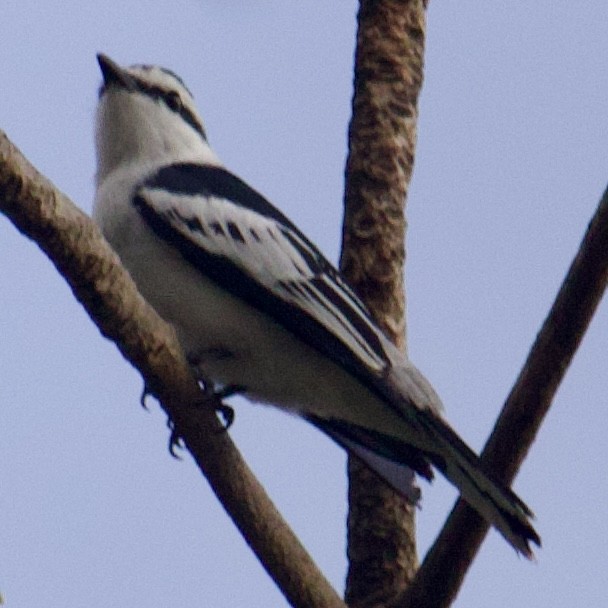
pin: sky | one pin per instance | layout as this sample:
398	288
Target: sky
512	160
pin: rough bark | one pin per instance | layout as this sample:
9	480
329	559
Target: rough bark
382	138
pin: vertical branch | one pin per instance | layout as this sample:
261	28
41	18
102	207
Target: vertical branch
382	138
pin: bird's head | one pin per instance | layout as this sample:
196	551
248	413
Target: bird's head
146	114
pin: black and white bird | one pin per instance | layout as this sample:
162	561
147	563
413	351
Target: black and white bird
255	304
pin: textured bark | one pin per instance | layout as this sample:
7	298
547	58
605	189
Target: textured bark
74	244
444	568
382	138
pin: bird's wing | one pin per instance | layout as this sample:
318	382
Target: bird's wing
243	243
235	237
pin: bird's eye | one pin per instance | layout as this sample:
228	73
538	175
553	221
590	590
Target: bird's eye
174	101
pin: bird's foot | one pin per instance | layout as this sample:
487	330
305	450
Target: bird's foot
225	411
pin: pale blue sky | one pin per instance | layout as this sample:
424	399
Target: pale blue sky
512	159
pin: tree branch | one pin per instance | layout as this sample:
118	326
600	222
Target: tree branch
382	139
75	246
447	562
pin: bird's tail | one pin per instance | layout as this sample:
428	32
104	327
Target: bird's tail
410	394
498	504
393	459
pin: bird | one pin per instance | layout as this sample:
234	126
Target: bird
257	308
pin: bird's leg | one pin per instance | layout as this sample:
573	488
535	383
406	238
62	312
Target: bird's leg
229	390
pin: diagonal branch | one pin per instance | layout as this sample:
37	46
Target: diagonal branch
447	562
75	246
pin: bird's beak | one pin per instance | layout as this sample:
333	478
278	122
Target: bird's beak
114	75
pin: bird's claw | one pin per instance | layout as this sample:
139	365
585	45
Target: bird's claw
145	393
214	397
227	415
175	440
225	411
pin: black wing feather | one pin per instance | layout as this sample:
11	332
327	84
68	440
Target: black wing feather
315	281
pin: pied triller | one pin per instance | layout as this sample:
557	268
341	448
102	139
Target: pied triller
255	304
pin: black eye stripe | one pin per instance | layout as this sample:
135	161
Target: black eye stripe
170	99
